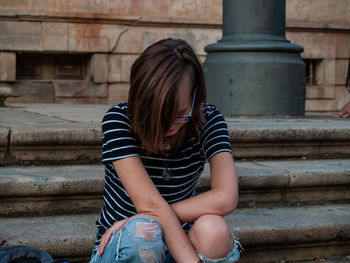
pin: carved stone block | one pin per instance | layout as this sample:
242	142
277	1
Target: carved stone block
7	66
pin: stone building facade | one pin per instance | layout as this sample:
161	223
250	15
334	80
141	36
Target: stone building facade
80	51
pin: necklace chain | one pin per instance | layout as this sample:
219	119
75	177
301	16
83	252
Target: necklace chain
166	174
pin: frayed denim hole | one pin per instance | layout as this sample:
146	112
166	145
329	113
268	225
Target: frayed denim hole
147	230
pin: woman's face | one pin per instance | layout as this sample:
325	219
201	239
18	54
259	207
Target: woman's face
185	99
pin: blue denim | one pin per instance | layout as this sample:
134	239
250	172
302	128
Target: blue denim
131	245
233	256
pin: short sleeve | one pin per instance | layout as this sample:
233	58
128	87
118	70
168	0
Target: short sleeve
214	136
118	139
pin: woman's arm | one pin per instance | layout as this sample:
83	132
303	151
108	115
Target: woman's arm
147	200
222	199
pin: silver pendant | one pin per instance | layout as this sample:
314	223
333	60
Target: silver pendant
166	174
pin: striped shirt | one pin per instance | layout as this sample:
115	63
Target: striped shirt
185	166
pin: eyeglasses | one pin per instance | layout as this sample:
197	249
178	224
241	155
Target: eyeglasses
186	118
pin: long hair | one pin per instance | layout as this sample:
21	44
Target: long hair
153	96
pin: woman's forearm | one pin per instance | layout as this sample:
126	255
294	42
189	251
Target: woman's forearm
210	202
174	236
147	200
221	200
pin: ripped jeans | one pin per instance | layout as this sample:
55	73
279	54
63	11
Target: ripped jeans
140	240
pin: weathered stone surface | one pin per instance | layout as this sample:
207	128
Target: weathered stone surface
72	112
316	45
20	36
55	36
7	66
341	67
326	13
126	63
93	37
70	88
62	236
118	93
268	232
313	173
29	91
342	43
85	100
115	68
326	72
320	105
271	183
285	129
42	136
51	180
50	205
287	138
120	66
192	11
296	253
4	133
51	190
55	145
136	39
99	67
38	138
304	224
340	259
320	92
97	90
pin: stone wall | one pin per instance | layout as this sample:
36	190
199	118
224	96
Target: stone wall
111	34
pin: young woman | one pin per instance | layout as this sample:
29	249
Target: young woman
154	150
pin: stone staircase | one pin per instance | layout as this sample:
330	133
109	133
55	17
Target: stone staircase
294	178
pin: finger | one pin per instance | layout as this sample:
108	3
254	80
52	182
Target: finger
104	241
101	248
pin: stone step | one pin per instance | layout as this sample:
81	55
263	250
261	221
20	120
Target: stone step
268	234
342	259
292	233
293	182
45	190
309	137
33	138
63	236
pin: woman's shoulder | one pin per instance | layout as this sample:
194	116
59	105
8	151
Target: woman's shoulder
116	117
117	111
121	107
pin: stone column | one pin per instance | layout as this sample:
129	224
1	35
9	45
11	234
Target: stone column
254	69
7	74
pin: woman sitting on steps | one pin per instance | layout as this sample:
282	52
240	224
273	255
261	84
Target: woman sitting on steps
154	151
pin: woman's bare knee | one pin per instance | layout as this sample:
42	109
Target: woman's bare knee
211	236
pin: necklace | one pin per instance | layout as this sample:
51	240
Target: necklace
166	172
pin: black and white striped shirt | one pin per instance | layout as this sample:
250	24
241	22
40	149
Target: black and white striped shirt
185	166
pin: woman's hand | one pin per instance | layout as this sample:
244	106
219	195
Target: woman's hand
107	235
115	227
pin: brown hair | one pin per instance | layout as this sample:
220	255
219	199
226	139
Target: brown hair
154	97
